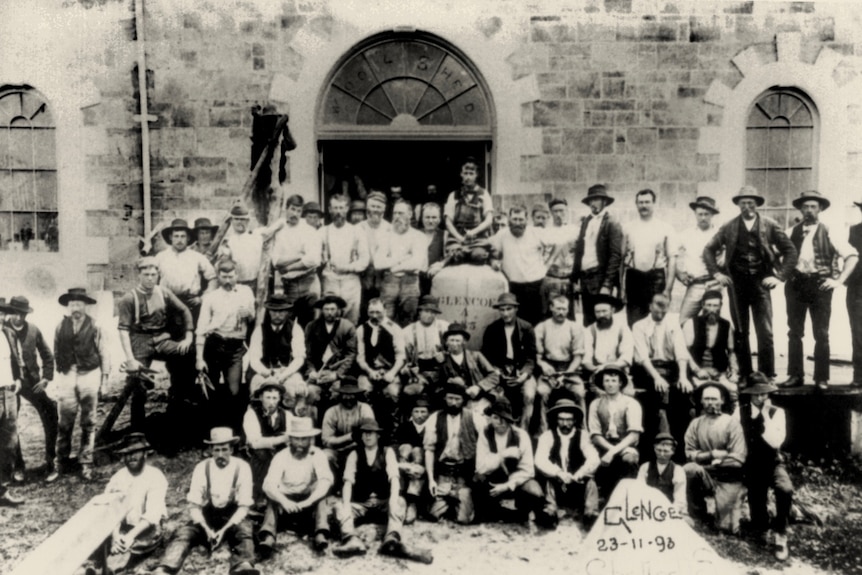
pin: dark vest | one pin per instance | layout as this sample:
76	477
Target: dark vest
760	453
436	249
509	464
385	347
576	457
468	436
720	359
823	254
854	282
267	428
664	481
78	349
748	257
371	478
277	350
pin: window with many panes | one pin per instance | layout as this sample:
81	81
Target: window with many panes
28	171
781	149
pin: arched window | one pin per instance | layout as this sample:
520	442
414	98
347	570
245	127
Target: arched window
781	149
28	171
403	109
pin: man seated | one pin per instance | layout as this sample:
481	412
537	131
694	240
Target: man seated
298	481
559	352
220	495
341	420
331	347
469	212
277	352
664	474
465	367
411	455
504	469
709	338
423	342
380	357
715	450
509	343
607	341
265	427
615	424
567	461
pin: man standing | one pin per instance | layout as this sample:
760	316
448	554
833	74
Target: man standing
468	212
380	356
519	253
559	352
608	341
810	285
562	239
540	216
10	384
296	253
375	229
243	246
83	365
297	484
402	255
330	345
205	232
436	238
691	270
37	371
219	498
649	258
709	338
509	343
226	316
345	257
751	270
854	303
423	342
598	252
312	214
356	214
181	269
265	426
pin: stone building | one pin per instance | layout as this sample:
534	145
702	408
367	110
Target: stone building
682	96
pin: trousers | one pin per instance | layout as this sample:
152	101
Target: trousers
77	392
750	300
758	479
349	287
47	410
372	510
804	296
239	537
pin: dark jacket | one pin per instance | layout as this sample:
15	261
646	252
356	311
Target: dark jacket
854	282
15	358
609	250
343	341
777	249
482	373
32	348
523	345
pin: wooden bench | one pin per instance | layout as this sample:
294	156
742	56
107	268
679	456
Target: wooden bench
822	424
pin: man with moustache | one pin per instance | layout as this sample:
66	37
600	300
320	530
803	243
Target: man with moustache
205	232
559	350
423	343
598	252
607	341
411	456
758	256
264	425
244	246
296	253
810	287
435	235
710	342
402	255
341	420
345	257
83	365
466	367
562	238
380	353
219	498
375	229
312	214
540	216
330	347
298	481
691	270
10	384
181	269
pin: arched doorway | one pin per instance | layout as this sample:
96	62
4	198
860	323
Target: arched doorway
403	109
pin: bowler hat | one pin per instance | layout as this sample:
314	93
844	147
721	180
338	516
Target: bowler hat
428	302
598	191
259	384
506	299
454	387
758	383
612	301
348	386
181	225
725	394
330	297
356	206
76	294
302	427
501	408
311	208
221	435
421	401
456	329
599	376
369	424
566	405
18	304
278	302
204	224
751	193
809	196
133	442
712	294
239	211
664	436
704	202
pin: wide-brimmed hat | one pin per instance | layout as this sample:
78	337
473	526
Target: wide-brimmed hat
758	383
330	297
356	206
454	387
369	424
205	224
664	436
749	192
133	442
507	298
278	302
598	191
239	211
17	304
311	208
456	329
220	436
612	301
302	427
502	409
704	202
348	386
599	376
259	384
566	405
725	394
429	303
76	294
178	224
811	195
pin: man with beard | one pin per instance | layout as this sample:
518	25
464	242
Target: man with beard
540	215
423	341
147	314
297	484
465	367
345	257
409	438
469	213
598	252
296	253
559	352
509	343
219	498
380	357
607	341
37	371
244	246
402	255
561	236
226	316
375	229
435	236
567	460
715	450
356	214
505	471
649	258
10	384
83	366
450	453
265	426
519	253
341	420
709	338
205	232
691	269
331	347
277	352
758	256
810	287
181	269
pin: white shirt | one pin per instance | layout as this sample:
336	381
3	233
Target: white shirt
402	253
221	491
346	248
691	251
221	310
775	428
612	345
180	271
245	250
297	350
299	241
649	244
298	476
521	258
424	341
145	494
373	234
559	341
658	341
591	236
562	249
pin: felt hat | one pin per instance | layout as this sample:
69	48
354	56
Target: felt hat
749	192
178	224
18	304
369	424
456	329
259	384
330	297
205	224
712	294
506	299
430	303
612	301
501	408
379	196
421	401
311	208
566	405
220	436
239	211
725	394
557	202
133	442
278	302
146	262
758	383
811	195
664	436
302	427
599	376
598	191
704	202
356	206
348	386
454	387
76	294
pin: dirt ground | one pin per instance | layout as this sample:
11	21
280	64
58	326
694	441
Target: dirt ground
829	488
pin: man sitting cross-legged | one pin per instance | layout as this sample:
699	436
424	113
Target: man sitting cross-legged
265	426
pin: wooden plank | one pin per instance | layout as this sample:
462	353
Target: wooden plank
70	545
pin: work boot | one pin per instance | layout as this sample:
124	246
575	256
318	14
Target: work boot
351	546
7	499
792	381
244	568
321	542
87	473
53	474
18	476
782	553
266	545
392	546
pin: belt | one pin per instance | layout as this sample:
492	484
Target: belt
701	279
815	275
220	337
558	277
